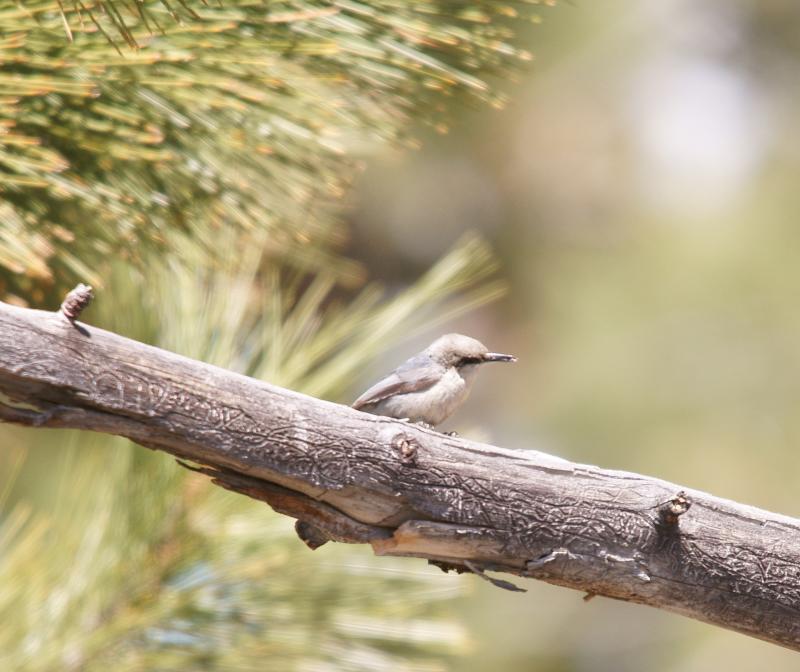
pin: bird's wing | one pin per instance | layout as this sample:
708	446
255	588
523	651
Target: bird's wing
417	374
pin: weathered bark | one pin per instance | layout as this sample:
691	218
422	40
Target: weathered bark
410	491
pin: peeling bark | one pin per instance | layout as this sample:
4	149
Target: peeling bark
408	491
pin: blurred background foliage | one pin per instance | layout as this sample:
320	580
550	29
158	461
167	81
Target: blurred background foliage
639	193
642	193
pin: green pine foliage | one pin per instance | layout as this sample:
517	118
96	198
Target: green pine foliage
237	113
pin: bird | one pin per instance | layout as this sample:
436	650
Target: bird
429	387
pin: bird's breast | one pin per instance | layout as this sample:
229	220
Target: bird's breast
435	404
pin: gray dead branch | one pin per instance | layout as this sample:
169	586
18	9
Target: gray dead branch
407	491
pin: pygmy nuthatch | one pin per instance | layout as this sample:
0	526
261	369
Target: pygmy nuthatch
430	386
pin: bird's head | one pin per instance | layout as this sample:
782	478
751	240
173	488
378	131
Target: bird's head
459	350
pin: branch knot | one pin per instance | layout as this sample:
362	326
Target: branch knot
407	447
671	510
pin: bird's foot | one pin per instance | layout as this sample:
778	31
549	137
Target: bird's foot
426	425
450	433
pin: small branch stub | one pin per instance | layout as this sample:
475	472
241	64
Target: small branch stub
671	510
407	448
75	302
499	583
310	535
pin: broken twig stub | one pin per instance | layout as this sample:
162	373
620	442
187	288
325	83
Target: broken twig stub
671	510
76	301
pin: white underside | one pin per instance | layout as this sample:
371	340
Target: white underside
433	405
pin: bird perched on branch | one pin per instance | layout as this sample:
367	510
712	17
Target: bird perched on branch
430	386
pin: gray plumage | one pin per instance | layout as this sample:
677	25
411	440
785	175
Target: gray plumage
430	386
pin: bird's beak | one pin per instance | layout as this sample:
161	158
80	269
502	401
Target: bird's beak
497	357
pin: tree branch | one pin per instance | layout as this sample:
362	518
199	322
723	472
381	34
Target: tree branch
408	491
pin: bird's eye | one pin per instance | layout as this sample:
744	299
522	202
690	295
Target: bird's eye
469	360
